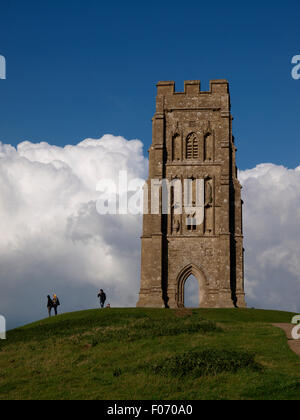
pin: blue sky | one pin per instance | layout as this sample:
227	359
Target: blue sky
78	69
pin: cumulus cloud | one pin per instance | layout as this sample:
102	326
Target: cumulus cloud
272	236
54	240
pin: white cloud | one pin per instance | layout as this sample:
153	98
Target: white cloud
53	240
272	236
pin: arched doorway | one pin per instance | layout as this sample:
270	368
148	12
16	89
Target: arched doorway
195	273
191	293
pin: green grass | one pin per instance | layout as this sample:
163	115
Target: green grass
151	354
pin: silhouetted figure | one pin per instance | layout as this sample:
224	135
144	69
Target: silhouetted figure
49	305
102	297
56	303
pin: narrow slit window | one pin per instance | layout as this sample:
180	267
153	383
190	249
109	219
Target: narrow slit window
191	223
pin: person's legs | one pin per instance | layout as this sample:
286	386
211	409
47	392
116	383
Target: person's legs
55	310
49	311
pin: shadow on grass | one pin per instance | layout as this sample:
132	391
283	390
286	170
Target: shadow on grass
204	363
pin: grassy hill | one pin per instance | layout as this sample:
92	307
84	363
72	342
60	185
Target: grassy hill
151	354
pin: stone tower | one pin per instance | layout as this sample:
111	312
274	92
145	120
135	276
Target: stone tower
193	143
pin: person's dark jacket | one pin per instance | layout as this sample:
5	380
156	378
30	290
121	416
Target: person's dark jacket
50	302
102	297
56	303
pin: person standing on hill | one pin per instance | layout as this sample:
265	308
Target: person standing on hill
56	303
49	305
102	297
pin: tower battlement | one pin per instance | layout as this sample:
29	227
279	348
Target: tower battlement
193	87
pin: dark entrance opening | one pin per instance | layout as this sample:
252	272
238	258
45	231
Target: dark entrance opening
191	293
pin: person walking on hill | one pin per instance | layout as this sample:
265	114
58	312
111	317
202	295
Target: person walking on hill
49	305
102	297
56	303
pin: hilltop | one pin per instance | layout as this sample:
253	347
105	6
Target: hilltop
151	354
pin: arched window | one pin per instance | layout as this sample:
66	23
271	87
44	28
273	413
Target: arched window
192	147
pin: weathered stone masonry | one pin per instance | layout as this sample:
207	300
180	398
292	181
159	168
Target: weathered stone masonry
192	139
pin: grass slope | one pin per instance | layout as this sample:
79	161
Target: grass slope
151	354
